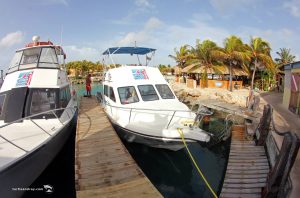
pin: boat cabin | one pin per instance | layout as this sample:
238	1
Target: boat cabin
136	84
37	79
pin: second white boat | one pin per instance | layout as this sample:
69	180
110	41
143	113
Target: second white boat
142	107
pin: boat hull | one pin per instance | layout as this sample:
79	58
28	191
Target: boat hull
23	172
157	142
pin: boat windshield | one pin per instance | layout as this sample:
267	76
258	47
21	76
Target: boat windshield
34	57
164	91
148	92
43	100
127	95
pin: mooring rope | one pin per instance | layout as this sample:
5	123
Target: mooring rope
192	158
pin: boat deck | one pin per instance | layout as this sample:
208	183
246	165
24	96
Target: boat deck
103	166
247	167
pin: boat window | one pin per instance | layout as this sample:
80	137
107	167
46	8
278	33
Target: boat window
42	100
30	56
15	61
105	91
127	95
48	55
2	99
164	91
148	92
112	94
64	97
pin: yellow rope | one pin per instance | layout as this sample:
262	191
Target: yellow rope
192	158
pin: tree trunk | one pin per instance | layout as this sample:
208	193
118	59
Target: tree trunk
230	76
252	83
253	74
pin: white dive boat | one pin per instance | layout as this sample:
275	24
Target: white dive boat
143	108
37	112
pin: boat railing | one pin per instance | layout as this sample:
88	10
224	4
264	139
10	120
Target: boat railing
52	111
152	111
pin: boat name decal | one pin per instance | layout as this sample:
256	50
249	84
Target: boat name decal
139	74
24	79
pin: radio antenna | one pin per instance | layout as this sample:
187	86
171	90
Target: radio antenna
61	35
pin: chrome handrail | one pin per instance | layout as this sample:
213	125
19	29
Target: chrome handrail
144	109
44	112
73	109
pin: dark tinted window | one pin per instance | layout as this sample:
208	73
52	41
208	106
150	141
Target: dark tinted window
14	104
105	91
112	94
148	92
64	97
127	95
43	100
165	91
2	99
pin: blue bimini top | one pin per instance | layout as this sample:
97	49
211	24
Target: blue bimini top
128	50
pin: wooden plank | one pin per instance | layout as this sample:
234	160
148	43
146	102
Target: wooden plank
245	180
245	152
242	185
247	172
240	195
247	168
120	190
237	176
247	157
104	168
242	190
247	164
249	160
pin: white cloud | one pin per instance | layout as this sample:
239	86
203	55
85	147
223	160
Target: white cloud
153	23
165	37
293	6
142	36
226	6
11	39
52	2
80	53
278	38
143	3
141	7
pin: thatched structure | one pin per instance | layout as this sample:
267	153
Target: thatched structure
219	70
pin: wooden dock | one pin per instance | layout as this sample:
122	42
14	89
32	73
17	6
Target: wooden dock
233	109
247	167
103	166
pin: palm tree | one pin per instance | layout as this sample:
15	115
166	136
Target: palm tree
203	56
234	51
285	57
260	55
182	56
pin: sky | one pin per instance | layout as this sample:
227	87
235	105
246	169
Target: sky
89	27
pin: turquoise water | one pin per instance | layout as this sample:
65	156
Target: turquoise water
173	173
80	89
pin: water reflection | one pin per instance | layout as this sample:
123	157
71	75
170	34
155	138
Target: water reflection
174	174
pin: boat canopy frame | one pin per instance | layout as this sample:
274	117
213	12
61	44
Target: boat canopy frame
130	50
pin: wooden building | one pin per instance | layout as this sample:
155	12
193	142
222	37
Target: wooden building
291	96
218	77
